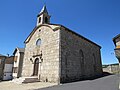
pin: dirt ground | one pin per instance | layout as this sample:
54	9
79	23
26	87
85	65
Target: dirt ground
7	85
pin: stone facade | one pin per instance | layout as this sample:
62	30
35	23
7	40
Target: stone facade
49	48
80	58
53	53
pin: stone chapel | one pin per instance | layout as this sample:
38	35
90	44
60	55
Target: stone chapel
54	53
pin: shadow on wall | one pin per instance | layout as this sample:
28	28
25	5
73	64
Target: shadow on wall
104	74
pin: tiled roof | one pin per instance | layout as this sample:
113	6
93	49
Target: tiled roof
19	49
2	55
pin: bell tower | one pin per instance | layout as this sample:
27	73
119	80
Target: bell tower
43	17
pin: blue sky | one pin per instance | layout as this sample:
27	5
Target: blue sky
97	20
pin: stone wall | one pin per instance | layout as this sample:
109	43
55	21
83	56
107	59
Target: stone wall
20	64
80	58
63	55
2	64
111	68
49	49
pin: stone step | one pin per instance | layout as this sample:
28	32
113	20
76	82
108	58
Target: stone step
31	80
25	80
18	80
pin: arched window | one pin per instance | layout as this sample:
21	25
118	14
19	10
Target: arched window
94	63
82	63
38	42
46	20
94	59
81	56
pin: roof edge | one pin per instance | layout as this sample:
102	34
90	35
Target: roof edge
81	36
115	38
63	27
36	27
17	48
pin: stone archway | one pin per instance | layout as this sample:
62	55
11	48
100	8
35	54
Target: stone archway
36	67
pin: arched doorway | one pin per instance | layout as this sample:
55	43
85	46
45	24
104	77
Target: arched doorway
36	67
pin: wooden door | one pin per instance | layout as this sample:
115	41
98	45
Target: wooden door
36	67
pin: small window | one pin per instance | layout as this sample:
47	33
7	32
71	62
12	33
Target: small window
38	42
39	19
46	20
39	30
81	55
94	59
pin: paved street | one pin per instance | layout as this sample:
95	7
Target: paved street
7	85
104	83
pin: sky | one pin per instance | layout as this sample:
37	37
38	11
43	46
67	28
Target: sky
97	20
